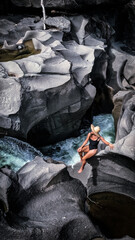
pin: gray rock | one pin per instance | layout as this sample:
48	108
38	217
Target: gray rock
129	73
109	190
5	183
5	122
101	29
46	200
125	140
61	4
61	23
12	68
122	69
126	121
10	96
110	183
78	27
90	40
56	65
59	75
117	100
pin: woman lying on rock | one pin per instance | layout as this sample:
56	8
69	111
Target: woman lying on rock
91	149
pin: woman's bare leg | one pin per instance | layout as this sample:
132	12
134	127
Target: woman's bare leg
87	155
85	149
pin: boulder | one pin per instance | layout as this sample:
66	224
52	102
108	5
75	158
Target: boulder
117	100
78	27
120	68
126	119
11	32
45	200
56	75
69	73
60	23
125	141
110	182
111	196
10	96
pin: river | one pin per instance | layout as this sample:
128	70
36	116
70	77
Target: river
16	153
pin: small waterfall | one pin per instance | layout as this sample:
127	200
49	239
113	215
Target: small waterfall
44	15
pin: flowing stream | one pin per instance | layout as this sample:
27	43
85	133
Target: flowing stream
16	153
66	151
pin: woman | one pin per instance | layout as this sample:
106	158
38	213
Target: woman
91	149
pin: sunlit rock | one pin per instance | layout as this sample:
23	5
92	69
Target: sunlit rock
61	23
11	32
42	83
10	96
78	25
12	69
56	65
125	140
122	69
51	83
91	41
129	73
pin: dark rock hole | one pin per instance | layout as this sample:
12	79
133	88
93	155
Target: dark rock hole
114	214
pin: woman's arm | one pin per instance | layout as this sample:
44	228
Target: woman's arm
85	142
107	143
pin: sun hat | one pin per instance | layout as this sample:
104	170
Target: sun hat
96	130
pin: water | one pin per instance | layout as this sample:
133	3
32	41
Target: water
16	153
66	151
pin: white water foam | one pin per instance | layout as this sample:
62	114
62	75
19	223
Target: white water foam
66	151
16	153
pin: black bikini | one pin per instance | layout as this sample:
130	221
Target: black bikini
93	144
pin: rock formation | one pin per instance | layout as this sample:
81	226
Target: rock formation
64	4
125	134
34	105
49	79
46	202
39	83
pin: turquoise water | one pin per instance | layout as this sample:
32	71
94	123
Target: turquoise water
66	151
16	153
